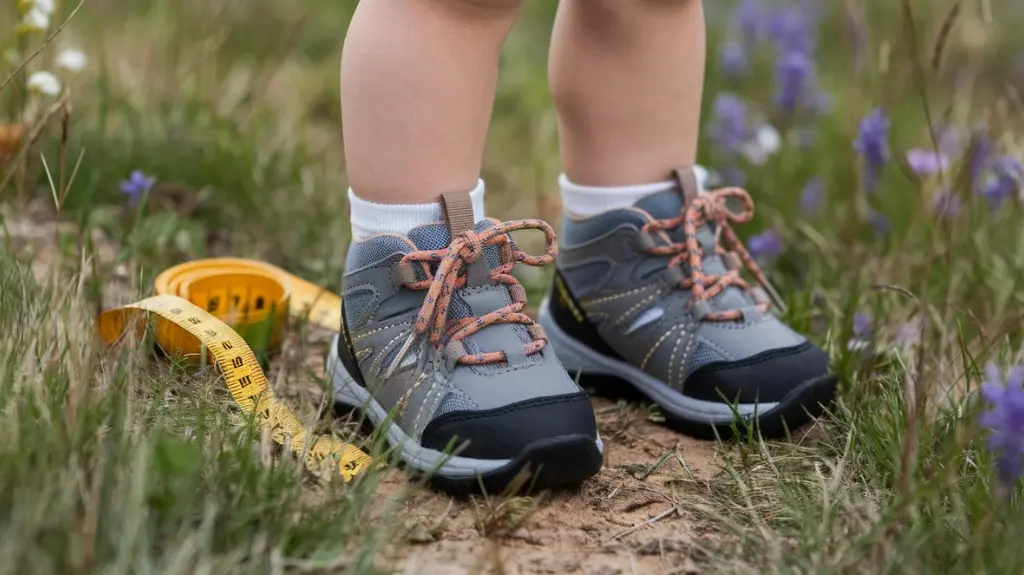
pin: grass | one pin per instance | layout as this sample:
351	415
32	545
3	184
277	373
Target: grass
115	461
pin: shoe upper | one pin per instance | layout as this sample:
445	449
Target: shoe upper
435	330
626	285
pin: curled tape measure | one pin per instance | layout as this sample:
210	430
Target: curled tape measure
198	305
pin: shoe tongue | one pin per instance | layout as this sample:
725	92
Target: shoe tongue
433	237
669	204
437	237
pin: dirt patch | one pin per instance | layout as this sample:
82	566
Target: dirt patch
630	518
627	519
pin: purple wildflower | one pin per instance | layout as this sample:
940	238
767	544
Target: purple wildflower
946	204
1008	174
793	80
748	19
861	340
873	145
136	185
732	59
1004	420
981	152
791	31
861	325
729	128
764	246
927	162
811	196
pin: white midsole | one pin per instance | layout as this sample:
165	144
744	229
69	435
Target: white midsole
579	357
348	392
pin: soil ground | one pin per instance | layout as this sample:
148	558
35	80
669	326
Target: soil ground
627	519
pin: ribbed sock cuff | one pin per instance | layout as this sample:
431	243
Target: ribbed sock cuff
370	218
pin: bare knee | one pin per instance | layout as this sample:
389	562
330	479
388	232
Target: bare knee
479	10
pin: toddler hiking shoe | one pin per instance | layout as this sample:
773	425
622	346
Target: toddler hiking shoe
436	348
652	295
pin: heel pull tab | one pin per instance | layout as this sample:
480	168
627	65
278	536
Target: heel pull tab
458	212
687	179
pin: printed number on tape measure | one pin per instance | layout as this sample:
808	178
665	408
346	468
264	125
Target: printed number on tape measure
184	327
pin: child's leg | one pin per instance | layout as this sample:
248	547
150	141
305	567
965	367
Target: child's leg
637	295
417	86
627	78
447	349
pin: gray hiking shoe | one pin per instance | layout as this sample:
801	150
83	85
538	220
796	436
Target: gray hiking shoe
650	295
434	336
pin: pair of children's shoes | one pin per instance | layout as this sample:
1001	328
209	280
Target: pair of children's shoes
436	345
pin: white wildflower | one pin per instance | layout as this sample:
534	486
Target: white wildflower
71	59
766	142
768	138
45	6
34	22
44	83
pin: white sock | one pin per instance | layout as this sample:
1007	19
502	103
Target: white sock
370	218
585	201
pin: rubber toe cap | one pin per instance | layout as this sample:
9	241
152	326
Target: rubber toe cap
504	432
763	378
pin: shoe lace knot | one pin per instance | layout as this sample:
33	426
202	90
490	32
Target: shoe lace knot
466	248
713	207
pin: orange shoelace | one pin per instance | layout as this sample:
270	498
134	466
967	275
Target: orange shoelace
466	248
713	207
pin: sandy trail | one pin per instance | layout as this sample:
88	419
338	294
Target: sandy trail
601	527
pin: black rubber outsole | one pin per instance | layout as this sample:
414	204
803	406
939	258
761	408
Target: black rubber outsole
804	403
546	464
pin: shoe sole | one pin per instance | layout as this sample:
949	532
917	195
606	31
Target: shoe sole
544	464
694	417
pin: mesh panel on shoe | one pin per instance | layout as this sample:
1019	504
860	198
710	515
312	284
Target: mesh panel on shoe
373	250
357	306
455	400
430	237
702	355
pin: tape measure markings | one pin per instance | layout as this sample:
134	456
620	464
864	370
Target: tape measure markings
183	325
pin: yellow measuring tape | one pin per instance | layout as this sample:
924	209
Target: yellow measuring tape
199	305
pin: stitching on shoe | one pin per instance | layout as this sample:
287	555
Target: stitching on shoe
619	295
363	336
636	307
376	365
657	345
